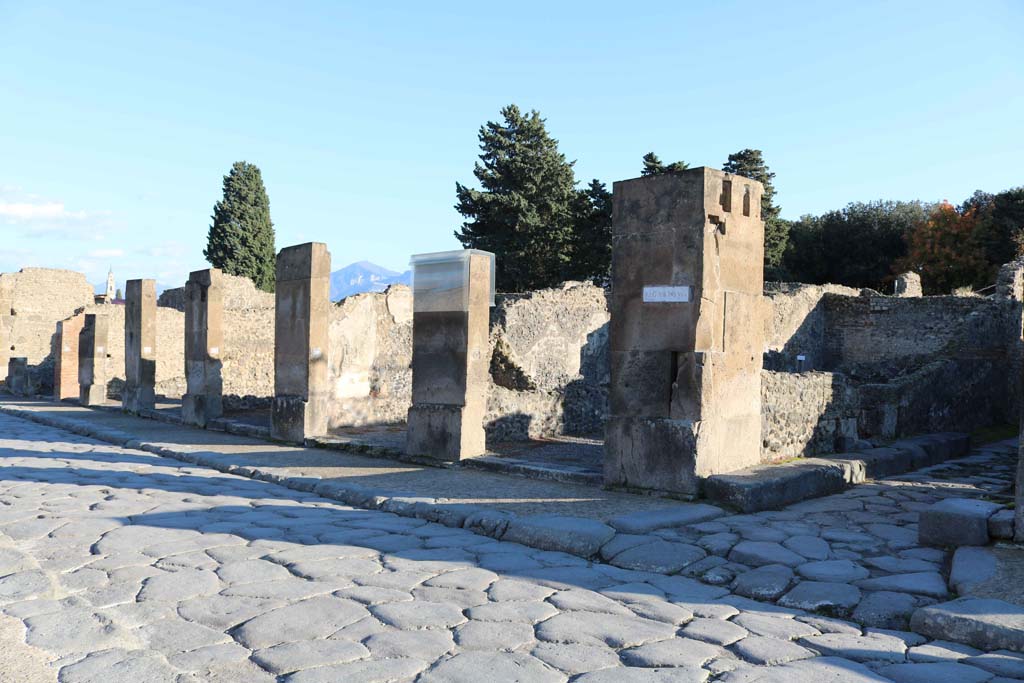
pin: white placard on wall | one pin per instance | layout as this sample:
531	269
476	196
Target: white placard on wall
667	294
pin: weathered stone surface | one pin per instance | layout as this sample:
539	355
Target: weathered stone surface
1000	663
767	582
365	671
982	623
575	535
288	657
768	487
426	645
418	614
493	635
770	651
649	520
838	571
313	618
631	675
714	631
758	553
610	629
662	557
814	670
822	595
472	667
575	659
956	522
941	651
1000	525
971	566
885	609
866	648
934	672
811	547
920	583
675	652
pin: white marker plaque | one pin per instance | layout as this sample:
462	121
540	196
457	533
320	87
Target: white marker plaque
667	294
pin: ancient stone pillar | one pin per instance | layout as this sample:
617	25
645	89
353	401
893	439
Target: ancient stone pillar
908	285
452	295
65	365
139	346
204	339
92	360
301	320
686	331
17	375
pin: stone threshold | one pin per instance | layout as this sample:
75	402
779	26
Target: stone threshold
773	486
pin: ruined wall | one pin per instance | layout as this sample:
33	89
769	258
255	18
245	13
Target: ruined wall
31	302
797	325
807	413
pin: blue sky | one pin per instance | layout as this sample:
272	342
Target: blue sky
118	120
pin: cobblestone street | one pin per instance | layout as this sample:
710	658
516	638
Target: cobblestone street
126	566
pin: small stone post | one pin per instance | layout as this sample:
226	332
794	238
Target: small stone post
908	285
204	314
301	320
65	365
686	335
17	375
139	346
92	360
452	295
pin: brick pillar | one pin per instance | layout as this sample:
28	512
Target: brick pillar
92	360
204	341
17	375
301	320
139	346
65	366
687	329
452	296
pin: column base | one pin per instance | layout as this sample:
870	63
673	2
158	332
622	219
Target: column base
449	433
294	419
199	409
92	394
657	454
136	399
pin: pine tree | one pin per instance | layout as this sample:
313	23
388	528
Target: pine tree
241	238
654	166
591	253
750	164
526	209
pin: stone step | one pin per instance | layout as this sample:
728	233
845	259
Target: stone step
983	623
772	486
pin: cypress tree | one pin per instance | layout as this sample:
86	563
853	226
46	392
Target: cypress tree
526	207
750	163
241	238
592	235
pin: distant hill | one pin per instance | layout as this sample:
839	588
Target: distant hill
364	276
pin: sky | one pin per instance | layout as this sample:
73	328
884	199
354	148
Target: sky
118	121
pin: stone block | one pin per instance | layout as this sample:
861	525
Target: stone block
204	342
1000	525
686	335
649	520
574	535
956	522
139	391
908	284
971	566
452	296
769	487
17	376
985	624
301	320
65	366
655	454
92	359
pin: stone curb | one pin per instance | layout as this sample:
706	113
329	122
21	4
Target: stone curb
770	487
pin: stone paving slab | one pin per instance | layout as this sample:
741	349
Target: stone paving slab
222	554
854	554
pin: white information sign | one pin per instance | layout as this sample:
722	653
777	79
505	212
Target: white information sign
667	294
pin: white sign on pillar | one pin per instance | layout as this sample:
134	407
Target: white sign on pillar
667	294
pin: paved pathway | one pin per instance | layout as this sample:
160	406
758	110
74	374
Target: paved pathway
125	566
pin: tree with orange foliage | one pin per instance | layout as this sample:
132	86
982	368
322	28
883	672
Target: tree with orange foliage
944	250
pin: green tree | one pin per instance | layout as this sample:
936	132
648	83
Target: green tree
654	166
526	209
241	238
854	246
945	251
1000	227
750	164
591	253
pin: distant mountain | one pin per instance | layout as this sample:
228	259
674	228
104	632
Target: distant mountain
364	276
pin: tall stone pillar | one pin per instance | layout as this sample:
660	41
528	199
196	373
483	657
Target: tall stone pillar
65	365
452	295
204	339
301	320
687	329
92	360
139	346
